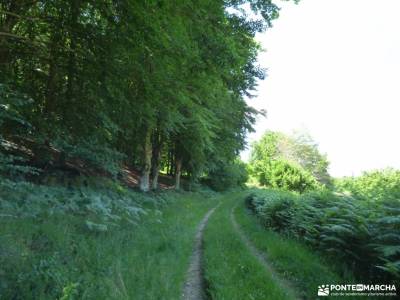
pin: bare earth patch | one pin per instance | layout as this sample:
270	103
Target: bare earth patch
194	288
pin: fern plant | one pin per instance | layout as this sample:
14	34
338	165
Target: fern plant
362	234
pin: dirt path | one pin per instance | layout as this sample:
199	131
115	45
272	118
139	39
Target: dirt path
263	260
194	288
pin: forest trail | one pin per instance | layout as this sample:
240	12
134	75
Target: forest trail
262	259
194	288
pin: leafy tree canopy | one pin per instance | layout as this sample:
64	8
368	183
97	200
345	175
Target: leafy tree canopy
151	83
298	149
378	185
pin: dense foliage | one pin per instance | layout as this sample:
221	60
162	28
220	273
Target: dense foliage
154	83
363	235
228	176
288	162
281	174
379	185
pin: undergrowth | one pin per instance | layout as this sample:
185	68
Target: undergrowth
97	240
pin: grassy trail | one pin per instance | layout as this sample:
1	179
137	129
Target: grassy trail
231	271
245	261
263	259
297	264
194	288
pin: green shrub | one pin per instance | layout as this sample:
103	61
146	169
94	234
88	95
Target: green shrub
298	149
362	234
281	174
228	176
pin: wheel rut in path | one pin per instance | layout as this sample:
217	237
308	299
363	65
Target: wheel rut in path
194	288
263	260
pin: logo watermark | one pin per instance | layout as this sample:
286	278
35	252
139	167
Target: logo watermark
323	290
357	290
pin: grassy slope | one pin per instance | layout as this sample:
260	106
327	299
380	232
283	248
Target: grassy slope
56	257
230	270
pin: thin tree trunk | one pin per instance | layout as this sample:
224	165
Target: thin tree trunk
170	162
156	158
178	171
147	153
51	84
71	70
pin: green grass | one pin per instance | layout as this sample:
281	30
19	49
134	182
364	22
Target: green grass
161	257
230	270
291	259
57	257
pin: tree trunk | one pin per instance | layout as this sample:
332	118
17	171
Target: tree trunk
173	163
147	152
51	83
71	68
178	171
170	170
169	162
154	180
156	158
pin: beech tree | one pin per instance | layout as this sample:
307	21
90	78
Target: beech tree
148	83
